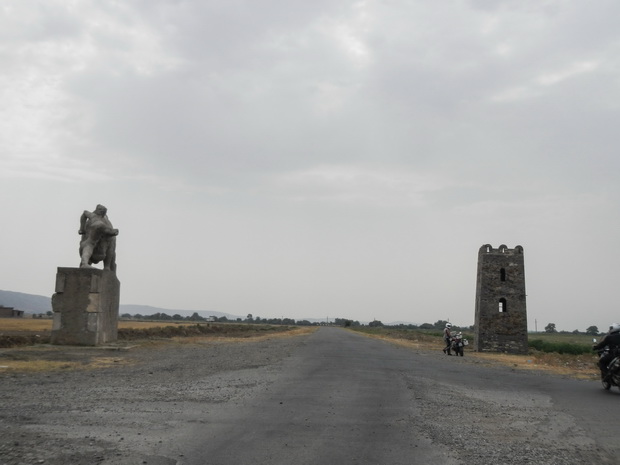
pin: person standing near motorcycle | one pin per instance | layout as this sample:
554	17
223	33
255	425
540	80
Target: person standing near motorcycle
612	341
447	337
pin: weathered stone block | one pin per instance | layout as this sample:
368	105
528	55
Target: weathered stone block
85	306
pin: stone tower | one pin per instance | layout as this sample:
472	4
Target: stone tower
501	316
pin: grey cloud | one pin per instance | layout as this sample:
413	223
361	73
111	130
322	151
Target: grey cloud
334	149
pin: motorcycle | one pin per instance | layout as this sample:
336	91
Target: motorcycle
457	344
613	369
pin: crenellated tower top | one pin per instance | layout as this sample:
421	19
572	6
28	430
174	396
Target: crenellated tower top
502	249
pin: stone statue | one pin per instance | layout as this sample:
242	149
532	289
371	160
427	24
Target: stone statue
98	239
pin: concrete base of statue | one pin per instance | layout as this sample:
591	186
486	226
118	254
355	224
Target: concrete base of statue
85	307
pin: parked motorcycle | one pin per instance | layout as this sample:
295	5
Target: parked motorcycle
458	342
613	369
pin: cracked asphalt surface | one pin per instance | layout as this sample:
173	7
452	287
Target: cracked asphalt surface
329	397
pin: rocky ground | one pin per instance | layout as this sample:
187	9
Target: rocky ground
125	405
104	415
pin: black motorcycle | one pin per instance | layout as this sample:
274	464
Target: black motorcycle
458	343
613	369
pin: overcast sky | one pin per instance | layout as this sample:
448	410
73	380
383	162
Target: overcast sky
314	159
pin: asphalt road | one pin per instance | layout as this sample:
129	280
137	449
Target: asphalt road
343	398
330	397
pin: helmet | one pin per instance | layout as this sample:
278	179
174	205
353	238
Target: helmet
614	327
448	325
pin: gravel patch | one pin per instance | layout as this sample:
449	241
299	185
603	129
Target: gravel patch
500	426
113	416
134	409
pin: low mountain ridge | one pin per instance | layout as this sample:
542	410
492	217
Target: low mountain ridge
32	303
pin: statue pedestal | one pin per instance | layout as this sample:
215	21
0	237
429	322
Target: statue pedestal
85	307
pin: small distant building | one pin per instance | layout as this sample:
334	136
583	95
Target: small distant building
10	312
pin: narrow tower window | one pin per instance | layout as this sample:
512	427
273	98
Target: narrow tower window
502	274
502	305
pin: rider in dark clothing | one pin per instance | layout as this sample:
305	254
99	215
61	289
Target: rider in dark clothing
611	340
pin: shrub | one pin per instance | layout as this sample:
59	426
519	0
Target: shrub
559	347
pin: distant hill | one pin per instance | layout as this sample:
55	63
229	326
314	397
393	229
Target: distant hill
149	310
31	303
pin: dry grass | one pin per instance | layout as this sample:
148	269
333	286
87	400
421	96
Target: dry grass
39	359
32	365
42	325
25	324
131	324
575	366
255	337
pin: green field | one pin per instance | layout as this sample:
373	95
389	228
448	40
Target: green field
568	338
561	343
